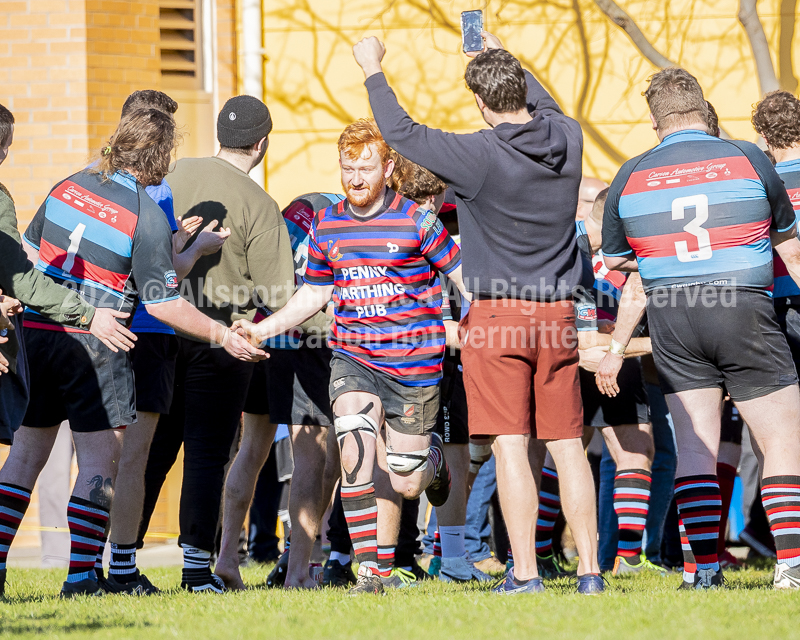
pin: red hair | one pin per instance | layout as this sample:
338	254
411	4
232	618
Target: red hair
360	135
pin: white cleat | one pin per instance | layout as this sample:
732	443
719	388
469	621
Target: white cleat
786	577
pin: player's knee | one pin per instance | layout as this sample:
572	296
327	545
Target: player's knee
408	487
349	431
407	462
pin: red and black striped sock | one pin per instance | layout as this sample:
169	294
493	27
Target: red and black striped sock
87	530
385	560
689	565
549	508
631	503
14	501
361	512
699	506
726	473
780	496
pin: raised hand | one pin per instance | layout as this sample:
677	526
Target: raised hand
209	241
368	54
490	41
186	229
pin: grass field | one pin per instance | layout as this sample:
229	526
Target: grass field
642	607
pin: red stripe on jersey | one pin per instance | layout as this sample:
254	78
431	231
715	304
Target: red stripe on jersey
55	257
690	174
97	207
735	235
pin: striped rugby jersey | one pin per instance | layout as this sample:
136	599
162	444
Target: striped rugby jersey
107	239
387	299
789	172
697	210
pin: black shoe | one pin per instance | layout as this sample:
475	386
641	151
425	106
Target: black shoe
139	586
439	489
202	581
367	583
86	587
336	574
549	568
277	577
2	583
419	572
709	579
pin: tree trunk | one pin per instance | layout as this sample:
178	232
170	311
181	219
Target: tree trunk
785	67
748	16
626	23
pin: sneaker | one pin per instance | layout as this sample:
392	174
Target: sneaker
623	566
549	568
202	581
729	562
439	488
335	574
510	586
590	584
399	579
139	586
367	583
708	579
435	566
277	577
461	570
490	565
419	573
786	577
85	587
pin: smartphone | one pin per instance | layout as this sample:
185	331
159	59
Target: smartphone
471	27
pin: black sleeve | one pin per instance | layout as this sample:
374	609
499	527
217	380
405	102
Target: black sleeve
783	217
538	98
615	241
153	273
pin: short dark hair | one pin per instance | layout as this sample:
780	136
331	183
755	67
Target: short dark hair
777	119
497	77
713	120
149	99
675	98
6	123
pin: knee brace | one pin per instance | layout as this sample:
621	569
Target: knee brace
350	424
478	455
407	461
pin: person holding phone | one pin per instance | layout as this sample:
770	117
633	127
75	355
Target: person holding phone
516	187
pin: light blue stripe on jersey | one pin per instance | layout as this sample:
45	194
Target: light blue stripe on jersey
724	192
721	261
100	233
58	273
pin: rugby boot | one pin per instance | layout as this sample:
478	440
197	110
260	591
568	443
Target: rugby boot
202	581
85	587
510	586
139	586
439	488
277	577
335	574
399	579
786	577
549	568
709	579
624	566
461	570
367	583
590	584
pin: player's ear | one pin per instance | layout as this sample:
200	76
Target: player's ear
388	168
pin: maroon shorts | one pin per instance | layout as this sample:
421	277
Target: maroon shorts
520	363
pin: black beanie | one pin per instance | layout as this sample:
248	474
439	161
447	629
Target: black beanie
243	121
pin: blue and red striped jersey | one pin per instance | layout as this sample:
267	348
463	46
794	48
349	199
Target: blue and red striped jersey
387	299
697	210
106	238
789	172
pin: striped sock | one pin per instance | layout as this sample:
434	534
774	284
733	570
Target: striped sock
631	502
98	560
689	565
123	562
435	459
549	508
361	513
726	474
87	528
780	496
699	505
14	502
385	560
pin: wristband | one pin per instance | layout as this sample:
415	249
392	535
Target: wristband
617	348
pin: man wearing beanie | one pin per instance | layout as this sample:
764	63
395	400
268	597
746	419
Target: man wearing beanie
253	269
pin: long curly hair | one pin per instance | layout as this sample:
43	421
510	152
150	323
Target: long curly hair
777	119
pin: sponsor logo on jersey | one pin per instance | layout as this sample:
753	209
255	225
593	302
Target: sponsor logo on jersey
333	253
171	279
392	247
428	221
408	420
586	312
338	384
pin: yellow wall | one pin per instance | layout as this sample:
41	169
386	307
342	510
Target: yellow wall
314	87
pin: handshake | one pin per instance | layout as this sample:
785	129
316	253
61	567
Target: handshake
249	331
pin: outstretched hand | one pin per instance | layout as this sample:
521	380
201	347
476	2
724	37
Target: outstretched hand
490	41
186	229
239	348
209	241
247	330
368	54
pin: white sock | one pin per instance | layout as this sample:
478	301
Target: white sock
688	577
341	558
194	558
452	542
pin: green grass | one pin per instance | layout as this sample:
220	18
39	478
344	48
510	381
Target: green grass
642	607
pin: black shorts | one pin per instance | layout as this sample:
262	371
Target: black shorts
76	377
298	386
153	359
452	421
629	406
408	410
789	320
732	424
736	342
257	401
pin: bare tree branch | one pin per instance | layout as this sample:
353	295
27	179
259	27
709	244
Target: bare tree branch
785	67
626	23
748	16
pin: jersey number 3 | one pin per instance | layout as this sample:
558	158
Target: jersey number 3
695	227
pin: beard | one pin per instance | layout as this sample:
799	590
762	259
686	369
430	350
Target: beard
364	199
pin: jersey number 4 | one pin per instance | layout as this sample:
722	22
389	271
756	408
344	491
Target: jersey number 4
695	227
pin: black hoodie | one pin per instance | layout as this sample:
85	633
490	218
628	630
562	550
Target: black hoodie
516	187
